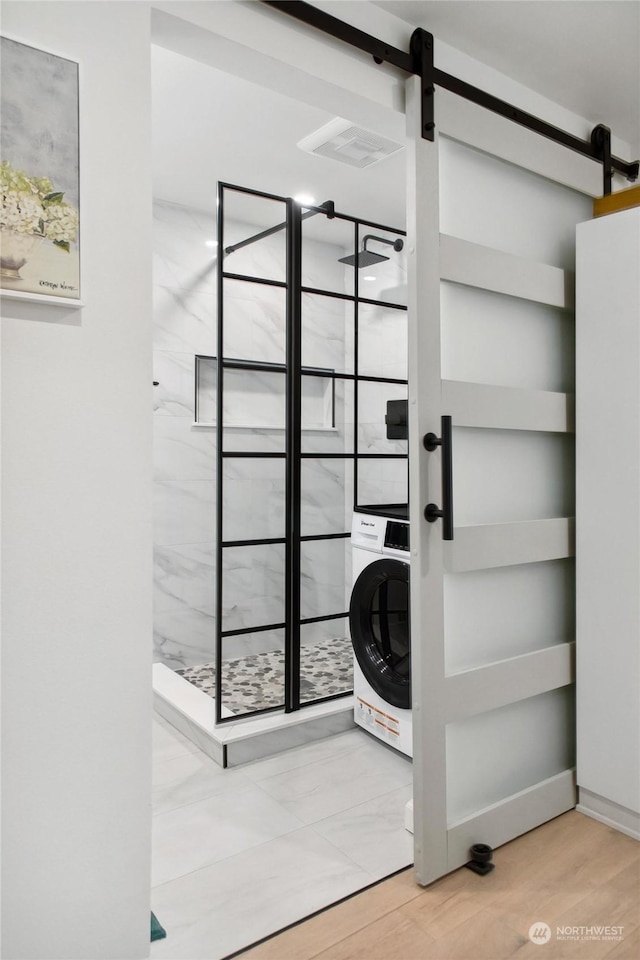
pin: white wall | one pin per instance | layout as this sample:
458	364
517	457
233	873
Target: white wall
608	516
77	531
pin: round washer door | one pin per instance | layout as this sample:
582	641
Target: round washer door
379	620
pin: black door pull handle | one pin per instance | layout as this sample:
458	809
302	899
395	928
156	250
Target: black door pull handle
432	511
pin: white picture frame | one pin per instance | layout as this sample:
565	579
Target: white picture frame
39	176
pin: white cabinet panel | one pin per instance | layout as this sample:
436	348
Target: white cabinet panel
608	516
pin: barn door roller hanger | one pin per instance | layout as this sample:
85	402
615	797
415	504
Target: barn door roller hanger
419	61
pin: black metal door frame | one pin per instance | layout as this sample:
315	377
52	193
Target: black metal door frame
294	371
293	487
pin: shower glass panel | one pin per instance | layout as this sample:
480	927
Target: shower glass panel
252	673
335	434
323	590
326	660
318	401
324	242
254	398
382	341
250	394
373	397
254	321
284	392
253	499
326	498
385	279
327	332
253	587
383	481
249	215
256	441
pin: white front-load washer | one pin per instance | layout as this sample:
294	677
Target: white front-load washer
379	622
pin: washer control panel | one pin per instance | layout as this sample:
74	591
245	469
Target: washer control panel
397	535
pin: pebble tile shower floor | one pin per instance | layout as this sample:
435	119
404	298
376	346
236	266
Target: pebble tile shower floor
257	682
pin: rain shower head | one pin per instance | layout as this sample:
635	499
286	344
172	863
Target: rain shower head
367	258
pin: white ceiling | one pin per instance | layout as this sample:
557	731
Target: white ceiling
209	125
584	54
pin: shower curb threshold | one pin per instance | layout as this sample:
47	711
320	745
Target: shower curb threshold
192	713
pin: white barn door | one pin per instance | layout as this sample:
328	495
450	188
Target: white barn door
491	347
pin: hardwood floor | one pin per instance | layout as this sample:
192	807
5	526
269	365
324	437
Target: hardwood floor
571	872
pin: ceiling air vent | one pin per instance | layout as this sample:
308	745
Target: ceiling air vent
342	140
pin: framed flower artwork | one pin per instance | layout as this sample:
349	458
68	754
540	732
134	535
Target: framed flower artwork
39	175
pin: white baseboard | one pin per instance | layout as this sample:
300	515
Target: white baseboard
606	811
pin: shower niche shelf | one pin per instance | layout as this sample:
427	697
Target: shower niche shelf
254	395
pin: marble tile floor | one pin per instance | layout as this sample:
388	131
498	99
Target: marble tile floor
238	854
257	682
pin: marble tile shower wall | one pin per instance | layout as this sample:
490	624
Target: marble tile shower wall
184	457
184	454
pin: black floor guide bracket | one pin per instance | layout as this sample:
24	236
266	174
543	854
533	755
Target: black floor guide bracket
481	857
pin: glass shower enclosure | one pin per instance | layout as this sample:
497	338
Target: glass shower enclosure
311	344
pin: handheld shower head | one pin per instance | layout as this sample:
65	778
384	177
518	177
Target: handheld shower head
367	258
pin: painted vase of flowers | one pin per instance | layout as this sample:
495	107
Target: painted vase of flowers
30	212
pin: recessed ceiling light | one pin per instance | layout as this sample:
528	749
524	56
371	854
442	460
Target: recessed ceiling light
305	199
211	243
368	278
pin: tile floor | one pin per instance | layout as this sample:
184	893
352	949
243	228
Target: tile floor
238	854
